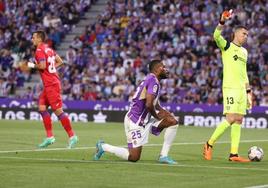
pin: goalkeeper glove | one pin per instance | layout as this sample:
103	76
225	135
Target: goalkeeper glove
226	15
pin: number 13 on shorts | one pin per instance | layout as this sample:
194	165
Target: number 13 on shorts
235	101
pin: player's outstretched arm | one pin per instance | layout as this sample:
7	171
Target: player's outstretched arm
220	41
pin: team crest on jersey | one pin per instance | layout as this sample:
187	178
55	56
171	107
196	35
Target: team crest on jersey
155	88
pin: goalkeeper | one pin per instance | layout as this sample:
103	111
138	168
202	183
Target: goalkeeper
237	95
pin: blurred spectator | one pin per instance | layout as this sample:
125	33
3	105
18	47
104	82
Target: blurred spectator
70	55
89	93
76	44
3	87
29	93
2	6
119	70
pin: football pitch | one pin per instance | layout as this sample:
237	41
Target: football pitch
23	165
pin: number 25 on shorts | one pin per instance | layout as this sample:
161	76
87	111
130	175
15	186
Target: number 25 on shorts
136	134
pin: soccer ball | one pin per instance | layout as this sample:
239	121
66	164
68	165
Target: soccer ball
255	153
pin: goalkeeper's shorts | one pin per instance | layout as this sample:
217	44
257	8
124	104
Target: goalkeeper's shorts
234	101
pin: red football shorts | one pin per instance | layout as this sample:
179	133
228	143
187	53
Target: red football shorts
51	96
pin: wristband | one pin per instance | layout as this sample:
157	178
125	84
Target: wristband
221	22
248	90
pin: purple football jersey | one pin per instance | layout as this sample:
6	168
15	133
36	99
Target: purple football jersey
138	113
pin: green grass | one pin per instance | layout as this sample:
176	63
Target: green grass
23	166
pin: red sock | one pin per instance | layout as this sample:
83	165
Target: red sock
47	123
66	124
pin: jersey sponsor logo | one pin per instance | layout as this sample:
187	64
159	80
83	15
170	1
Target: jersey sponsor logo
155	88
236	57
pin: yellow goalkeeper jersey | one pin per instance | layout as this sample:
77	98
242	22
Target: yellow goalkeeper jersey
234	59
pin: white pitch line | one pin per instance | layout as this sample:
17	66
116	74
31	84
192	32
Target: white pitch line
46	149
130	163
147	145
259	186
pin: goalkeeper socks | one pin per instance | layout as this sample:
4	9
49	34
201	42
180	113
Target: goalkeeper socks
122	153
218	132
47	123
235	137
169	137
66	124
233	155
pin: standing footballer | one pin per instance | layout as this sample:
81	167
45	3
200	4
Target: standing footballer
47	62
236	90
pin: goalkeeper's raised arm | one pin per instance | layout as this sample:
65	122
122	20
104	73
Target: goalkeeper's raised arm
220	41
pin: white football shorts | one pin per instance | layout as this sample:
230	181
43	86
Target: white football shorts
138	135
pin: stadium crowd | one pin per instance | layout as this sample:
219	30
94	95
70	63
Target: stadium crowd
18	19
110	58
